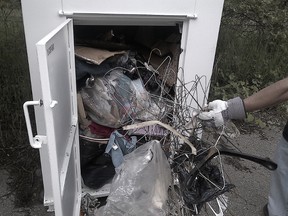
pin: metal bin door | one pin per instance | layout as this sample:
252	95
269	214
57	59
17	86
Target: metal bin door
57	73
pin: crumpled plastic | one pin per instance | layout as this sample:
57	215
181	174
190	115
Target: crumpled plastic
109	98
114	100
146	108
140	186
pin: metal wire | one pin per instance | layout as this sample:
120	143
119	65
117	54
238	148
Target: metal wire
179	111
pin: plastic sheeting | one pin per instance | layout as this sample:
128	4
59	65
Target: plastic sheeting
114	100
141	185
108	98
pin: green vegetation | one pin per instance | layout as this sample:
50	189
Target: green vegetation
252	53
252	47
16	155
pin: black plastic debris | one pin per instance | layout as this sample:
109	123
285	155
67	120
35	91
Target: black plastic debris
204	189
206	186
97	168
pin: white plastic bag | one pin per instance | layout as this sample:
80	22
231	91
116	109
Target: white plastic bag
141	185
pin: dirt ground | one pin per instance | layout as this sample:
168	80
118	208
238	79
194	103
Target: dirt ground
248	198
7	201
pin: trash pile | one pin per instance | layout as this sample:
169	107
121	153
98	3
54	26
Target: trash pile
133	119
118	88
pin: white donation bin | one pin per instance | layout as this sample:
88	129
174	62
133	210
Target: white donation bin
49	36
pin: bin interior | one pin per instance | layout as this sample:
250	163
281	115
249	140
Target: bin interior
154	52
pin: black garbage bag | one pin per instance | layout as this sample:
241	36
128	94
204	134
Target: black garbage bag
202	188
97	168
83	68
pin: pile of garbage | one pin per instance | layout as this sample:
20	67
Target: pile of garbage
114	91
134	122
117	88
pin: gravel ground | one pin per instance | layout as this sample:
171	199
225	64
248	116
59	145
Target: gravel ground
251	180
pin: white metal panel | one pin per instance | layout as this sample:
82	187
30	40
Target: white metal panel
199	41
147	7
33	11
57	73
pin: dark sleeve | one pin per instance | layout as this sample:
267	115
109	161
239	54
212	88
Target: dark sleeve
285	132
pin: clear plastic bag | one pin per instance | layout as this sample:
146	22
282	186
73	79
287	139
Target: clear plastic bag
115	100
140	186
109	99
146	109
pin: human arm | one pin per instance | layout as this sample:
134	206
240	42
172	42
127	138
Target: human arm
236	108
273	94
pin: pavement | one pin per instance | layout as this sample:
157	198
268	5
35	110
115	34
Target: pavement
252	184
247	199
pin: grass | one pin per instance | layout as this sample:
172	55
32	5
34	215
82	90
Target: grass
16	155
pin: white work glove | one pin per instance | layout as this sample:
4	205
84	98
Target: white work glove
221	111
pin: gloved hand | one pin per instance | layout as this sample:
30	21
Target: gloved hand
221	111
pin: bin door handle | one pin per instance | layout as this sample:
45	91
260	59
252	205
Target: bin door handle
38	140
